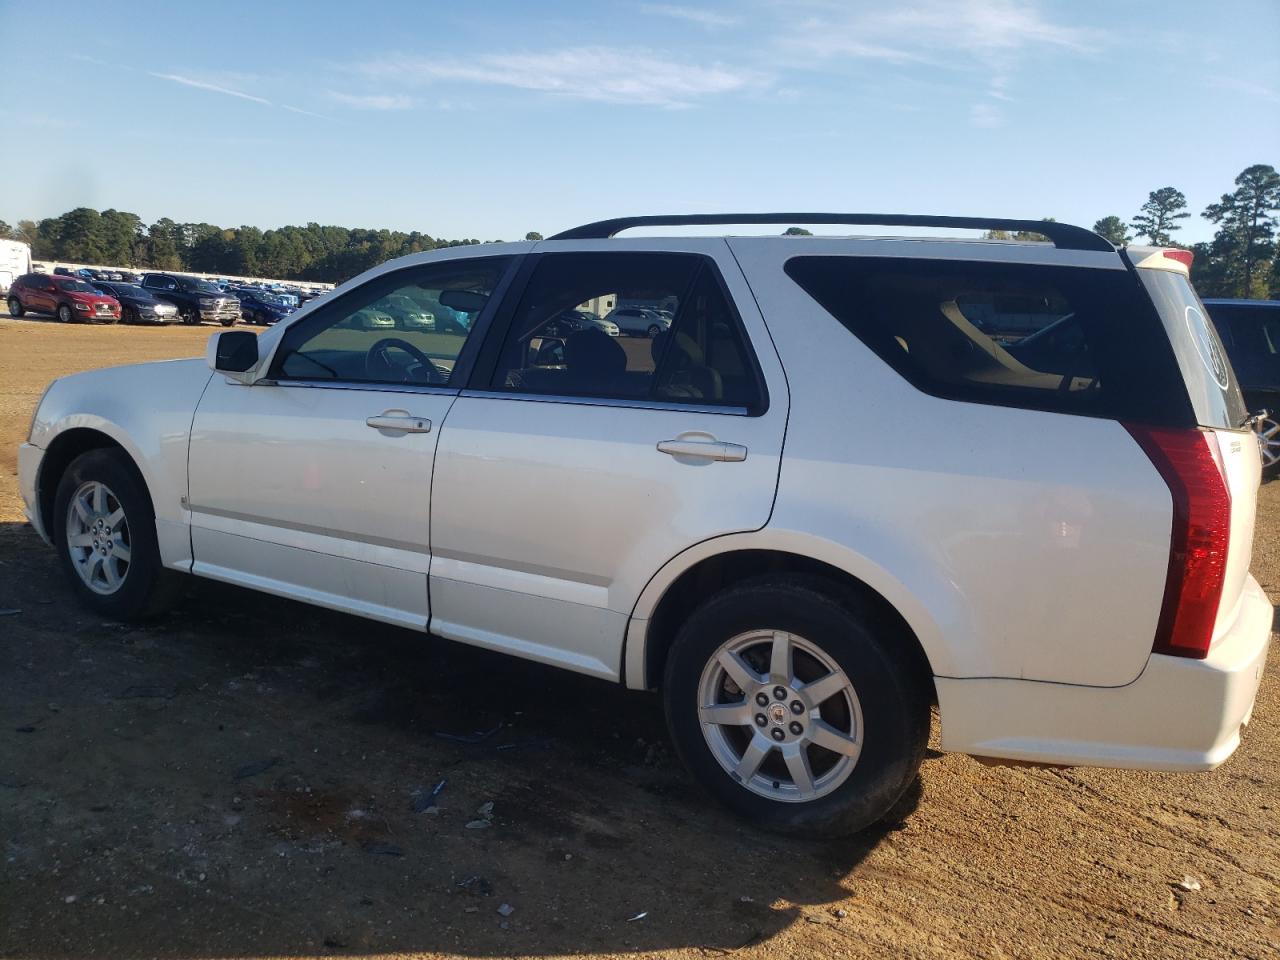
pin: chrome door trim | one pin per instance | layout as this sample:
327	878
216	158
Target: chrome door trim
607	402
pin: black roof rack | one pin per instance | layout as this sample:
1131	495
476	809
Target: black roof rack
1065	236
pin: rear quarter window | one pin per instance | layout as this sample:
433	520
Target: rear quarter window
1062	339
1210	377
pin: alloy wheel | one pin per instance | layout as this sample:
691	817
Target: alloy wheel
1269	439
98	539
780	716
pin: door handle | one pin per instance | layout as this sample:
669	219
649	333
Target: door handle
402	422
704	450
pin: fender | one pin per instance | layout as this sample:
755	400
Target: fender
924	622
147	409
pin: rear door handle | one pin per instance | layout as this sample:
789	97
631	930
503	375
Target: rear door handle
402	422
704	450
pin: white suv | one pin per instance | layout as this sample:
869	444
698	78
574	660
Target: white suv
855	477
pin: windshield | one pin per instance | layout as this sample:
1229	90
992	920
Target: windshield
1211	381
75	286
203	286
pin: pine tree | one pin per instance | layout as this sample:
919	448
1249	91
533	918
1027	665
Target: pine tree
1159	216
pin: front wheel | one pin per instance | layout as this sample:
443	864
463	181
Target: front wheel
797	706
229	322
64	313
191	318
653	331
15	307
105	532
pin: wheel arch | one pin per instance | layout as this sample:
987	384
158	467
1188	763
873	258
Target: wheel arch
63	450
691	577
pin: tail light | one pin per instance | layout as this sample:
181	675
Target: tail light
1188	461
1182	256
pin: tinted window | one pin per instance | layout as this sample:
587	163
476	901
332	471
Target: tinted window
394	328
1210	380
75	286
1050	338
553	347
1252	334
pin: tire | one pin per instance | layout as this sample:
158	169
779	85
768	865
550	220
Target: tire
64	313
882	715
653	331
142	587
129	315
1269	437
15	307
191	317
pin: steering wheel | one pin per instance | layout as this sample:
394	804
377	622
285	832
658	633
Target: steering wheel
378	365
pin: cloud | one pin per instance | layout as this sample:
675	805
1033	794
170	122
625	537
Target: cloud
306	113
937	31
202	85
705	18
605	74
372	101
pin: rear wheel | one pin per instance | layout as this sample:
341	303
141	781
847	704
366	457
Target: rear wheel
64	313
797	706
15	307
1269	437
105	533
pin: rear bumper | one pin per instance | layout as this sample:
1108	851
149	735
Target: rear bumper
1180	714
29	457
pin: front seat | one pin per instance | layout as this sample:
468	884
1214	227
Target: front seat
595	363
683	368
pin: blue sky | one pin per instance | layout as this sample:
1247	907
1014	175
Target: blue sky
490	119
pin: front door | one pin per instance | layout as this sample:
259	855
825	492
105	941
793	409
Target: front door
316	483
579	463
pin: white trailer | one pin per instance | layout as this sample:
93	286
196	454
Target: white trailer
15	260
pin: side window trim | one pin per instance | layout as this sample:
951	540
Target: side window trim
466	358
480	382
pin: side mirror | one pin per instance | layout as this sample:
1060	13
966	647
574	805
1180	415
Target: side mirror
234	353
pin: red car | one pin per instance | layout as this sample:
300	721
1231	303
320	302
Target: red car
67	298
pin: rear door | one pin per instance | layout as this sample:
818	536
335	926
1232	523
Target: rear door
575	466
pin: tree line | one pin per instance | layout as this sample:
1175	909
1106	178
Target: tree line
1240	261
121	239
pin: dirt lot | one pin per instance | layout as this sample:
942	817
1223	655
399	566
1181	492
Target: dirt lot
242	780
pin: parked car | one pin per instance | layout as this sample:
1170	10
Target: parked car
584	319
638	322
63	272
1250	330
260	307
138	305
68	298
1062	566
407	313
195	299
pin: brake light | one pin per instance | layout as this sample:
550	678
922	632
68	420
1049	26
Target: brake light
1182	256
1188	461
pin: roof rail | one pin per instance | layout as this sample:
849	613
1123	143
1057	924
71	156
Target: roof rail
1065	236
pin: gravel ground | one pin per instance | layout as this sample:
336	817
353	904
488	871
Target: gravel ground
246	778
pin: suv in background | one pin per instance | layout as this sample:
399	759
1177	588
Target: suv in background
1250	330
70	299
195	299
848	482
